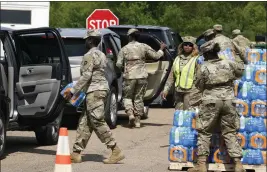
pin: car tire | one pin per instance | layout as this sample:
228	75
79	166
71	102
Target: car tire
111	108
145	114
47	135
2	135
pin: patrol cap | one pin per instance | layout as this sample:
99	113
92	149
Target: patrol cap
208	32
130	31
92	33
190	39
236	32
217	27
207	46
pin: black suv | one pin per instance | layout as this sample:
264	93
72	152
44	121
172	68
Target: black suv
167	35
34	69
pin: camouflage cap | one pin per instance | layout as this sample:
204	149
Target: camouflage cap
217	27
207	46
190	39
130	31
92	33
208	32
236	32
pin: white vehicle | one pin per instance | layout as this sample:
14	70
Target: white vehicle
23	15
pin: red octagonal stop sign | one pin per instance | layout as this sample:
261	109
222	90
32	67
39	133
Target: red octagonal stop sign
101	18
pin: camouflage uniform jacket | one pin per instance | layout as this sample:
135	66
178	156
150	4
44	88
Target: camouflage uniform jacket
215	79
92	72
224	43
133	56
241	41
171	78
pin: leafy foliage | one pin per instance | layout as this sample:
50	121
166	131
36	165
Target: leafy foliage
188	18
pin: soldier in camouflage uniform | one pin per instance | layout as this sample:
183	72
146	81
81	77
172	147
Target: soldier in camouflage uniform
95	84
240	40
215	80
132	58
186	97
225	42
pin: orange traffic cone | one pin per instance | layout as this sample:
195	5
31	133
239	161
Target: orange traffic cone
63	162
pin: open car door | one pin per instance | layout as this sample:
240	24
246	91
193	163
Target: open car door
43	71
158	70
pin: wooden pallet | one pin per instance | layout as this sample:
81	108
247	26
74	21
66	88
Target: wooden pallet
176	166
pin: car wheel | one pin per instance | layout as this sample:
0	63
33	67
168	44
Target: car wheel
47	135
146	110
2	135
111	108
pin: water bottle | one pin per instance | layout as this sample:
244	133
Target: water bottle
176	117
254	56
242	138
263	109
261	89
192	154
263	56
257	157
249	69
264	157
245	91
178	153
237	86
249	124
257	140
76	99
259	75
242	123
261	127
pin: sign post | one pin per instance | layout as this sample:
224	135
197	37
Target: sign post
101	18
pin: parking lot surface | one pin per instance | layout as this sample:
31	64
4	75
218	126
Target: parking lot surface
146	149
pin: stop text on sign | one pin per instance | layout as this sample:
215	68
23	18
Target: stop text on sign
101	18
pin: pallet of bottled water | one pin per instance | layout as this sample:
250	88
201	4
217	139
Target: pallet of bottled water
250	93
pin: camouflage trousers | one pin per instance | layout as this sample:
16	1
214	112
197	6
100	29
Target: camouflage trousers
187	100
133	94
211	113
92	119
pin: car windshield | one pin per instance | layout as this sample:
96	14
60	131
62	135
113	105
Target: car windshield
74	46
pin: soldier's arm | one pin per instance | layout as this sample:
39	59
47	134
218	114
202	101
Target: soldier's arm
169	83
120	58
151	53
201	74
87	73
241	51
238	68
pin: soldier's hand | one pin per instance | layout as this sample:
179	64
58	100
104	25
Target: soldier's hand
163	95
68	95
162	46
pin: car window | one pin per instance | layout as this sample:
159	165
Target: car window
74	46
109	49
171	40
118	41
38	49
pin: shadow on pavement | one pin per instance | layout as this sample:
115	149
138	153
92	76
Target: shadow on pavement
92	157
29	144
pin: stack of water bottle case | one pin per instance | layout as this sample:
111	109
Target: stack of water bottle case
250	93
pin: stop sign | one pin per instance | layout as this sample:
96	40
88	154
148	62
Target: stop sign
101	18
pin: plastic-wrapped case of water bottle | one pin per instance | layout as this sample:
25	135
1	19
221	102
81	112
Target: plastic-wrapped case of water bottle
76	99
250	94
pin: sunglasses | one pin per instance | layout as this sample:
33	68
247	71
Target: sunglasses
188	44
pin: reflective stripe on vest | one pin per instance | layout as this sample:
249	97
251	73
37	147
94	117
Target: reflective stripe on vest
185	80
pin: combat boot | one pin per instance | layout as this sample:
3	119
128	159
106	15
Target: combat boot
201	165
131	117
238	165
76	157
115	156
137	122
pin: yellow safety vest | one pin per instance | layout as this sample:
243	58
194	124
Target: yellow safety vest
186	77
